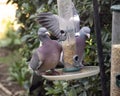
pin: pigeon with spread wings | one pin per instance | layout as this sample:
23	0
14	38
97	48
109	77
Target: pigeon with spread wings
51	22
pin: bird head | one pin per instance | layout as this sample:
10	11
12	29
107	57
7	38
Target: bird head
86	31
43	33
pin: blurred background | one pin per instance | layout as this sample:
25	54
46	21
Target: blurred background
9	41
7	16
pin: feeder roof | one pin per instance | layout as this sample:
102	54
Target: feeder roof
115	8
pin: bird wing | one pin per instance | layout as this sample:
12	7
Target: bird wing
35	62
49	21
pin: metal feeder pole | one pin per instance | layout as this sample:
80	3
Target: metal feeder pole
99	48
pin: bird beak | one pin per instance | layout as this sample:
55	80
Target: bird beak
88	35
48	33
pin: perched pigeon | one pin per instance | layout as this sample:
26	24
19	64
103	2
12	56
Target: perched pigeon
81	37
47	56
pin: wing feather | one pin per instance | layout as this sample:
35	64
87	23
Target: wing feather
50	21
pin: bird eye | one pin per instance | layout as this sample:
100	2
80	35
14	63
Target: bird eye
62	32
76	58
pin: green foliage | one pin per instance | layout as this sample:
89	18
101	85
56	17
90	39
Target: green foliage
11	42
19	72
82	87
59	88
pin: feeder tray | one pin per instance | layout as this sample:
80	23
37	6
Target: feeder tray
84	72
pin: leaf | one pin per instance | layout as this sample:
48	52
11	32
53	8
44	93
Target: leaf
33	16
83	93
72	92
90	20
24	38
50	1
17	42
5	42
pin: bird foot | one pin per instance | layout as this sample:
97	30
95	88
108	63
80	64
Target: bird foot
52	72
79	66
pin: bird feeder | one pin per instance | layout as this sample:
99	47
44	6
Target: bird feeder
65	11
115	57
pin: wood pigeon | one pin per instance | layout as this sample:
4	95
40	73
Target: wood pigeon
81	37
47	56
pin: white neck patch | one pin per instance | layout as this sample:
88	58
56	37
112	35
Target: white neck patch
77	34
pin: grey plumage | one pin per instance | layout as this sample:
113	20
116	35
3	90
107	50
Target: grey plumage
81	37
48	55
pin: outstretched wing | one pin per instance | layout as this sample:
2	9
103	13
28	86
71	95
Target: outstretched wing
50	21
54	22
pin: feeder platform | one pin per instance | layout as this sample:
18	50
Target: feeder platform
86	71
